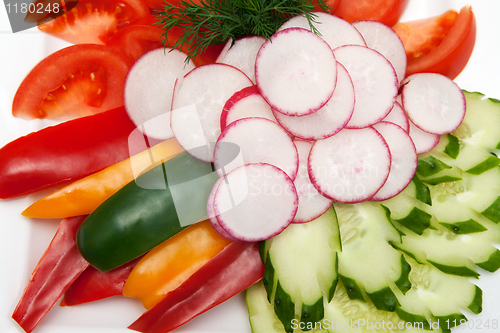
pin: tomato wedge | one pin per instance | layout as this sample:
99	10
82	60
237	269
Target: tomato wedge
441	44
76	81
158	4
94	21
385	11
135	40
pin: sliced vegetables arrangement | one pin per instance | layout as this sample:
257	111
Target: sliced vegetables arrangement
327	168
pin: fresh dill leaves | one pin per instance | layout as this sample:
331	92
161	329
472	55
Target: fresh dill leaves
217	21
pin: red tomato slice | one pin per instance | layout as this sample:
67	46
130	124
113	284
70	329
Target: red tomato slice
385	11
333	4
94	21
76	81
441	44
135	40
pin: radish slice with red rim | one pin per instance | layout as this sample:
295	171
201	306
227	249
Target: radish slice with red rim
328	120
260	141
375	84
398	116
433	102
383	39
350	166
334	30
246	103
296	72
311	203
256	202
423	141
197	106
148	90
403	160
211	214
242	54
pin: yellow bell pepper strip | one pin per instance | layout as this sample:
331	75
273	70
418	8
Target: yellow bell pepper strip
83	196
59	266
234	269
172	262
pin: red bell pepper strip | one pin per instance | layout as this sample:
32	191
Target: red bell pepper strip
64	152
59	266
234	269
93	285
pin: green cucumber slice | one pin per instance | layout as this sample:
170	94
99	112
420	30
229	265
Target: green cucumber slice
301	269
366	232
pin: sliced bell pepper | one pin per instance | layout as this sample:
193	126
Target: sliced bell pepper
169	264
234	269
93	285
147	211
59	266
64	152
85	195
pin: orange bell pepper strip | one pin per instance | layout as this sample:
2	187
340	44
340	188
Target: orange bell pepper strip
168	265
83	196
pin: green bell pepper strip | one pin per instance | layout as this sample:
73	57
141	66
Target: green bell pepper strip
147	211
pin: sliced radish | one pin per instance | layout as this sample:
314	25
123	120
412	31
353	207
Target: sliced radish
311	203
433	102
296	72
383	39
423	141
256	202
197	106
242	54
403	160
375	83
246	103
398	116
149	87
350	166
211	214
328	120
260	141
334	30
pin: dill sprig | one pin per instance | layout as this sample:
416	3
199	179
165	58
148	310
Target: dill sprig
217	21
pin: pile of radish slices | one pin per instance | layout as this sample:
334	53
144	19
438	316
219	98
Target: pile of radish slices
297	121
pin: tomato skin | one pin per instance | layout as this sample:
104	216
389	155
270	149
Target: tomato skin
385	11
452	54
54	71
158	4
135	40
95	21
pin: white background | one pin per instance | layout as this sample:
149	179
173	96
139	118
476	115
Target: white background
23	240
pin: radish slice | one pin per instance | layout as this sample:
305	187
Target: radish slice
246	103
375	84
296	72
398	116
328	120
260	141
423	141
433	102
197	106
148	90
256	202
403	160
311	203
334	30
383	39
211	214
242	54
350	166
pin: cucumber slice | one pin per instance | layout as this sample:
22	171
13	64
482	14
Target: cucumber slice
353	316
366	232
301	269
437	298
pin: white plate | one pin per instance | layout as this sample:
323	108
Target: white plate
23	240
